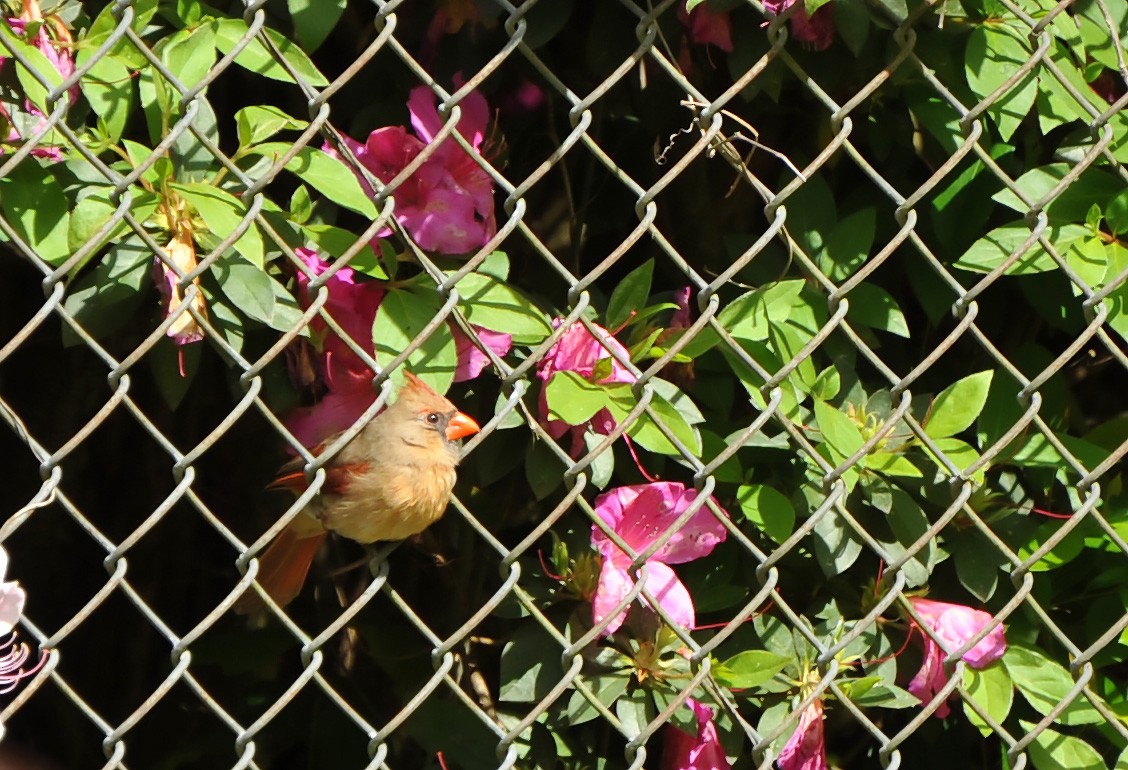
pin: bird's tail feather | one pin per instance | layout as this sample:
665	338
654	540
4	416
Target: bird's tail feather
282	569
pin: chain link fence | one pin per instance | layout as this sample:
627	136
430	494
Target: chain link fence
625	132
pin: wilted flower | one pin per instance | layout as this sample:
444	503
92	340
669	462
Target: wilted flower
684	751
817	30
806	748
345	377
706	26
182	253
580	352
953	625
640	515
447	204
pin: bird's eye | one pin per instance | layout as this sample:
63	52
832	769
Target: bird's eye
433	418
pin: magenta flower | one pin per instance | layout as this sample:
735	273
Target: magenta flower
952	625
471	360
640	515
581	352
816	31
59	55
806	748
447	204
703	751
706	26
344	377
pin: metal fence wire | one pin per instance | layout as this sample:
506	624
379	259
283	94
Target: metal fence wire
627	140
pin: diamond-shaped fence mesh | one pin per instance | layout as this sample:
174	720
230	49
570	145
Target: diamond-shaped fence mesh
775	318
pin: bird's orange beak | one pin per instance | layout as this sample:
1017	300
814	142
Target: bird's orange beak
461	426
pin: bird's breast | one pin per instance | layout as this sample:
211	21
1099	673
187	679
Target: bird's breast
389	503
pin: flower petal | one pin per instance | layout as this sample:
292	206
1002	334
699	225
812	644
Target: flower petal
614	584
663	584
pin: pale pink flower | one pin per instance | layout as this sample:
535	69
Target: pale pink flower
447	204
703	751
581	352
640	515
12	655
806	748
12	598
953	625
706	26
816	31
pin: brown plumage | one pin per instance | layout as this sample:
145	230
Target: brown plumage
392	481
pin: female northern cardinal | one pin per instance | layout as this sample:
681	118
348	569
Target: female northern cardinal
390	482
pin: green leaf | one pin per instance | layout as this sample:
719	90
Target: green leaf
259	123
908	522
401	317
315	19
873	306
1072	204
995	52
492	304
992	690
257	295
958	405
768	509
848	244
190	54
324	173
630	295
1054	751
838	430
37	209
108	88
1044	683
222	213
93	212
993	249
530	665
886	696
1116	213
837	547
104	298
748	317
891	464
335	242
646	432
606	688
978	562
827	384
301	207
257	58
750	668
574	399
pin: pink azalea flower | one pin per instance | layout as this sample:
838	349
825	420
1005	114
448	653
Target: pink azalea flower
640	515
346	378
952	625
806	748
816	31
471	360
447	204
706	26
703	751
59	55
579	351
